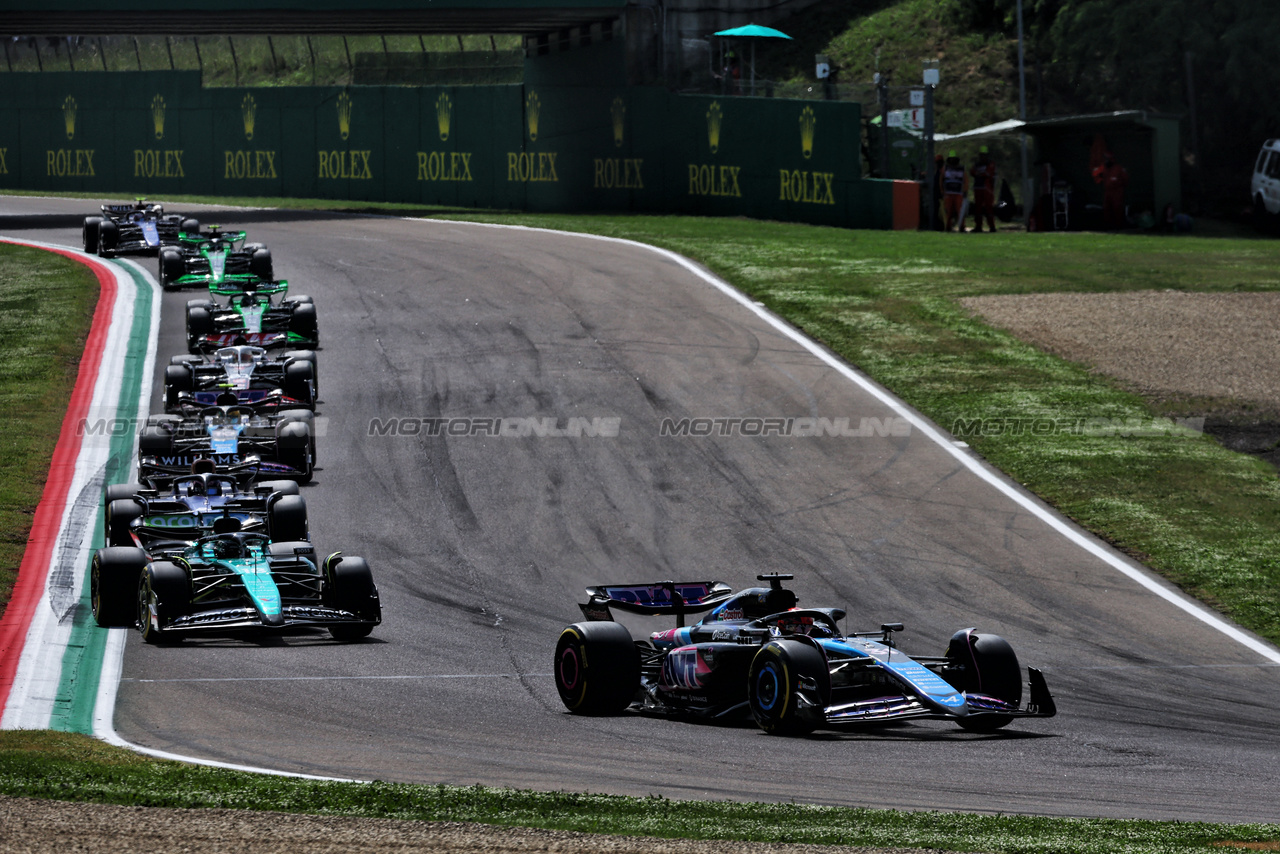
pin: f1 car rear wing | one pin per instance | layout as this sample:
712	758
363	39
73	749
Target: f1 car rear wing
663	597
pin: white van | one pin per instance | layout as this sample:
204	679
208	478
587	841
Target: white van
1265	188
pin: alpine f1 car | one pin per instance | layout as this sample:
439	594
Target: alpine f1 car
137	229
212	258
251	316
238	440
233	582
189	506
241	374
791	668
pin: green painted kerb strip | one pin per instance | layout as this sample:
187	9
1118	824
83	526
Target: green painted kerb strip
82	662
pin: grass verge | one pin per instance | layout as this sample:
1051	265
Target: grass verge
63	766
46	307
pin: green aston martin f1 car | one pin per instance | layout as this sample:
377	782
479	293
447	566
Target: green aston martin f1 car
233	582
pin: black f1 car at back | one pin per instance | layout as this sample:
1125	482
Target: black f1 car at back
138	229
792	669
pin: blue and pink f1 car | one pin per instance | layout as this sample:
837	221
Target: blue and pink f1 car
792	669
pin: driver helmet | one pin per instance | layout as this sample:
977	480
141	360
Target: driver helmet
228	548
204	465
800	625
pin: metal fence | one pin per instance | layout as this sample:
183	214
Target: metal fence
280	60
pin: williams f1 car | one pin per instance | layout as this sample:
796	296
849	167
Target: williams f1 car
189	506
213	258
137	229
250	316
239	440
233	582
792	669
241	374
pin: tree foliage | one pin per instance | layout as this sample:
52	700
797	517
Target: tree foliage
1101	55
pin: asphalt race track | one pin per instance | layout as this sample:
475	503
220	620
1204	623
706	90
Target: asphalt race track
481	546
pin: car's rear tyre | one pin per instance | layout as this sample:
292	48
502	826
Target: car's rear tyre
304	416
988	666
302	321
155	440
781	670
164	587
260	263
171	266
190	225
284	487
120	513
116	491
199	322
308	356
597	668
349	586
177	379
108	236
287	519
113	585
299	382
89	234
293	448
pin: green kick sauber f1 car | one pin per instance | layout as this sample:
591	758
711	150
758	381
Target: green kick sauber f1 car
213	258
257	313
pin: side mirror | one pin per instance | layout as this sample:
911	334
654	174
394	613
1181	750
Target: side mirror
887	629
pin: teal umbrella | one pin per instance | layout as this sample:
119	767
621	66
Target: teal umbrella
753	32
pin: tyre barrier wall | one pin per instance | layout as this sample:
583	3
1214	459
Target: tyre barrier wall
540	146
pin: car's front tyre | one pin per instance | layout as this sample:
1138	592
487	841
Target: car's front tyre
349	586
783	672
163	594
986	665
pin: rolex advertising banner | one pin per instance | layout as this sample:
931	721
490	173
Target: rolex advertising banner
542	146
